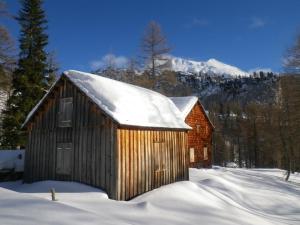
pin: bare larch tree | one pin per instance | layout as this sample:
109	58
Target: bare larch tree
7	51
292	64
290	106
154	48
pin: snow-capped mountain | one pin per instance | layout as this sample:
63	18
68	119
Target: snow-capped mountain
210	67
211	81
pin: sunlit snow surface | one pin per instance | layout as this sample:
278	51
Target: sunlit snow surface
12	159
184	104
212	196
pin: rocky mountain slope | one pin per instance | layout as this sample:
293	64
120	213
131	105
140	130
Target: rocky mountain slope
210	80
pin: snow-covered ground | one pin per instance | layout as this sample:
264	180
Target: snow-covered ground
212	196
12	159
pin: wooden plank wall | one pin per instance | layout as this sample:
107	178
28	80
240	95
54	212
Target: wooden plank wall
93	137
137	152
123	162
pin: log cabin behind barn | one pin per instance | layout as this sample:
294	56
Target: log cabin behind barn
200	137
124	139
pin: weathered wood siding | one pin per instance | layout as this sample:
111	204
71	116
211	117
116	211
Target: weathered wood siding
147	159
125	162
199	137
92	135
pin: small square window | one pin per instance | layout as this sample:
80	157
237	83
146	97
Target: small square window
205	153
198	127
63	158
160	156
65	112
206	130
192	155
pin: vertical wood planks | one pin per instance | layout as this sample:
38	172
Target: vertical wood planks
137	152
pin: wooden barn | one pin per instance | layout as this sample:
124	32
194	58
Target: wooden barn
124	139
200	137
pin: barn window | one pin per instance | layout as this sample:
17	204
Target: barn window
65	112
159	157
158	139
205	153
198	128
192	155
206	130
63	158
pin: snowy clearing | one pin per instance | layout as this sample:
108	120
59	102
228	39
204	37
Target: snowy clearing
212	196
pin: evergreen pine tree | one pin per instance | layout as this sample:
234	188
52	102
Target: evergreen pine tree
30	78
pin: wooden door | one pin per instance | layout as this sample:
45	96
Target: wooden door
63	158
159	163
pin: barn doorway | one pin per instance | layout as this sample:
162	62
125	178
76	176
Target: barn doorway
159	163
63	158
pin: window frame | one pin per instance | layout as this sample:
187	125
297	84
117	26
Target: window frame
63	158
159	156
192	156
198	128
205	153
65	112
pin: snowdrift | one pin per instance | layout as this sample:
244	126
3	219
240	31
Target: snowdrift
212	196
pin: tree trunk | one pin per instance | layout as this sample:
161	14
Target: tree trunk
239	150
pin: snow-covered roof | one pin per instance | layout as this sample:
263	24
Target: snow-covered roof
127	104
185	105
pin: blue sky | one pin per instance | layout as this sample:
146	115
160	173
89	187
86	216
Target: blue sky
247	34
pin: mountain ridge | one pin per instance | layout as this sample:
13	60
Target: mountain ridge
209	67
